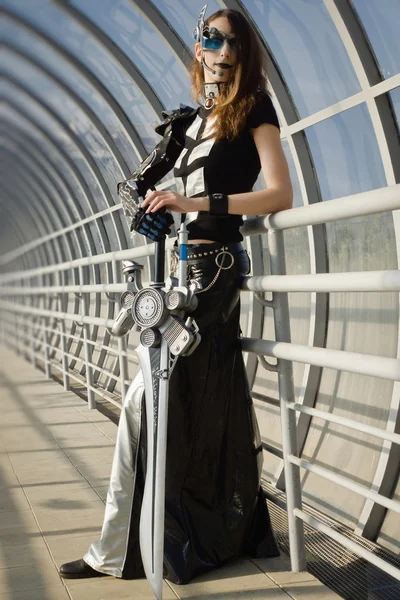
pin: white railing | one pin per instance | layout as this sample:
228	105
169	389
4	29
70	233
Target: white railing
30	330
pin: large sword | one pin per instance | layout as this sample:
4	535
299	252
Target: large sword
158	311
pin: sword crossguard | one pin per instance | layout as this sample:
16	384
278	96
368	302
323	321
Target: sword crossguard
157	313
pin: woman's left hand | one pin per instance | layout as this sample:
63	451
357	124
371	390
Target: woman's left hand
168	199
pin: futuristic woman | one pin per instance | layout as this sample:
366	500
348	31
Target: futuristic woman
215	509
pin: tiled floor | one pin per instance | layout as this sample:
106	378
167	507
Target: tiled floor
55	459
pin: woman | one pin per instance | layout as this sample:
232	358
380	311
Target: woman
215	509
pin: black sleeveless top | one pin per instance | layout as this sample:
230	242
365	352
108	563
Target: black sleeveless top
231	167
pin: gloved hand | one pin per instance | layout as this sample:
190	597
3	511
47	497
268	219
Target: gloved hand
156	226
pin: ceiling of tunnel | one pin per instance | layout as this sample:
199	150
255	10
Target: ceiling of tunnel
86	80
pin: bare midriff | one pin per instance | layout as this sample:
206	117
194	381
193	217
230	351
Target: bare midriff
201	242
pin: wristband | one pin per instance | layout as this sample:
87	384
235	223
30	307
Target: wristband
218	205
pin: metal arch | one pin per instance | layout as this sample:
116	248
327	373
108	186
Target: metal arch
62	246
86	190
39	217
140	81
102	356
79	243
64	156
368	74
77	175
76	141
45	217
46	211
91	78
171	37
99	126
28	261
54	178
316	233
57	179
29	208
15	224
92	166
37	210
77	235
38	159
42	251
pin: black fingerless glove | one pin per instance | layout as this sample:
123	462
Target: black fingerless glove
156	226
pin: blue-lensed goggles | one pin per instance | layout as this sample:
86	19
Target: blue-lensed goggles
213	39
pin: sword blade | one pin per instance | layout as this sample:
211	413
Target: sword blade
151	528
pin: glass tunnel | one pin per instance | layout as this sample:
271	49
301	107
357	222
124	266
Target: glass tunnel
84	84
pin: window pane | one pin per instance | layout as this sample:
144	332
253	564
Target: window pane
308	51
68	178
32	46
129	29
67	33
71	114
367	323
381	21
345	154
60	137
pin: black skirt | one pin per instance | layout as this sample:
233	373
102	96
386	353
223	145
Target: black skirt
215	508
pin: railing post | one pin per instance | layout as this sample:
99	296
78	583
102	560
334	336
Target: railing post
45	335
18	334
46	358
87	345
64	358
288	417
32	323
2	331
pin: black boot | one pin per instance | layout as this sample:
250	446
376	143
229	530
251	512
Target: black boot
78	569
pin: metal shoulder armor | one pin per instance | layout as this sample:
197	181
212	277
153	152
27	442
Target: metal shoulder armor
156	165
161	160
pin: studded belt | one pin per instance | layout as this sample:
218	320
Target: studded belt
197	251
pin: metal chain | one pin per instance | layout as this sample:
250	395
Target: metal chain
221	268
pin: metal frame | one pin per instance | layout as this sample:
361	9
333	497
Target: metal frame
281	348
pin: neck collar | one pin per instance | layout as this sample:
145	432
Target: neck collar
210	93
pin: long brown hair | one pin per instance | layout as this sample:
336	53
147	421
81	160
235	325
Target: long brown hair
238	95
